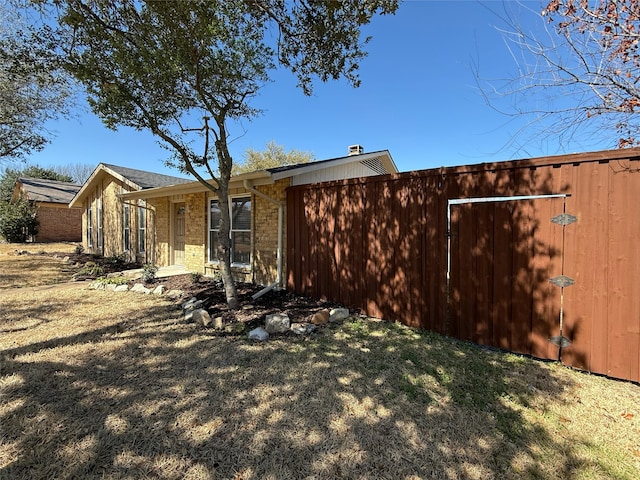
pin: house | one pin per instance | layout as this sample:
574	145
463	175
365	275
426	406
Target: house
57	222
113	226
182	219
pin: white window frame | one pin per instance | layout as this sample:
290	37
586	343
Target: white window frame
90	225
142	227
100	219
126	227
231	230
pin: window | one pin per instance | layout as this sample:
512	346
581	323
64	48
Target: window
142	227
100	237
90	226
240	234
126	227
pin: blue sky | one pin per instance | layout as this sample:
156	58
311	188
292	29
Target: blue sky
419	99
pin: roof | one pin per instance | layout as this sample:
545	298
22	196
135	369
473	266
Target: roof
368	158
134	178
144	179
51	191
378	163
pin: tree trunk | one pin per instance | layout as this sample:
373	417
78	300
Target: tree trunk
225	163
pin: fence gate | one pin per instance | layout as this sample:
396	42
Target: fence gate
502	253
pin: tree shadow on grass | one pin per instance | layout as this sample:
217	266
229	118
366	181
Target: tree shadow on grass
151	396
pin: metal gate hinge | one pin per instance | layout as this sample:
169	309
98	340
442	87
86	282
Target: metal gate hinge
564	219
562	281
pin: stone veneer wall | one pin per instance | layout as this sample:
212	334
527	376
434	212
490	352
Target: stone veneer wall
108	190
158	225
112	218
59	223
195	249
265	233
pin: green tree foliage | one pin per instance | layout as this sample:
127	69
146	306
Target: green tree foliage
18	220
274	156
33	89
9	176
186	70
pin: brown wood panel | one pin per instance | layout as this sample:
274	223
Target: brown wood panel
307	267
631	246
578	264
503	270
620	274
595	221
546	262
380	244
372	220
483	272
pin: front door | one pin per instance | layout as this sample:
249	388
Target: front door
178	233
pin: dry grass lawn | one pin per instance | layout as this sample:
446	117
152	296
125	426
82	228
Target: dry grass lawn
34	268
94	385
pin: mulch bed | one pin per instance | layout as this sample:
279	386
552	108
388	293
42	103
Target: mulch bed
252	312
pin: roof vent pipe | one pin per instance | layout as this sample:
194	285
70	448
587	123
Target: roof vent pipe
355	149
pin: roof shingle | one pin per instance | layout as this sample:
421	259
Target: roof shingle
52	191
146	179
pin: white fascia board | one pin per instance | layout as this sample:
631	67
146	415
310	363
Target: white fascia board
383	155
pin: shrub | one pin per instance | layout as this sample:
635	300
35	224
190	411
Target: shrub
196	277
112	280
149	271
79	249
90	269
116	260
18	220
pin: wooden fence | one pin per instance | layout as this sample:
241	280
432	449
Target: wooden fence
470	251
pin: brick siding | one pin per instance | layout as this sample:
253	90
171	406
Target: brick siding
59	223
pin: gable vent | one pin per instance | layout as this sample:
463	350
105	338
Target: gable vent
376	165
355	149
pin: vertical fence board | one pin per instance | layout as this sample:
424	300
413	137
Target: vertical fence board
619	273
502	293
579	265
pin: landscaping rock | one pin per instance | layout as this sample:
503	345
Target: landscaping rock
139	288
201	317
191	304
337	314
174	294
121	288
303	328
321	317
159	290
259	334
218	323
277	323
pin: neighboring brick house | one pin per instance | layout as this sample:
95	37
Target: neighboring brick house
57	222
185	216
113	226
